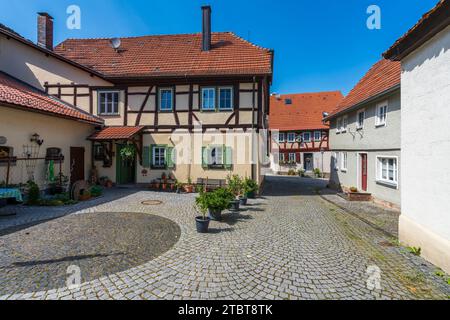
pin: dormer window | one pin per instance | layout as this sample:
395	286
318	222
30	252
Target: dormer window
288	101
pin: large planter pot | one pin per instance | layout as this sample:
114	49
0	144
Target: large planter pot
189	188
243	201
215	215
202	224
250	195
234	205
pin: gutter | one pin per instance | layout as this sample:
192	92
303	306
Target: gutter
360	104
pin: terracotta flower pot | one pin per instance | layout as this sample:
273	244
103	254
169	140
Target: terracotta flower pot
189	188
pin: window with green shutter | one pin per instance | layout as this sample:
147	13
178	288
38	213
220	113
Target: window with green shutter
146	154
216	157
170	158
228	156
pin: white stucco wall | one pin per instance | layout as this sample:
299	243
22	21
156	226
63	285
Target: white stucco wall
426	149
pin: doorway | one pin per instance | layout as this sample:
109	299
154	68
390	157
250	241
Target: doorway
76	164
125	168
308	162
363	171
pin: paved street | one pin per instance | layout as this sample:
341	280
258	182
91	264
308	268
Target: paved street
290	244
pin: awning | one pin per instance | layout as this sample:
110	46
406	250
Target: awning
115	133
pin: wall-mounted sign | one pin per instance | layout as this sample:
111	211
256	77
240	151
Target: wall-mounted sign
3	140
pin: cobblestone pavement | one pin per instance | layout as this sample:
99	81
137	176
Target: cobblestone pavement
291	244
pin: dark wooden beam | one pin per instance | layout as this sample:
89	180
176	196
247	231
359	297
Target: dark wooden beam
141	109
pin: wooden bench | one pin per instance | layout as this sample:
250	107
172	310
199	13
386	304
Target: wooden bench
211	184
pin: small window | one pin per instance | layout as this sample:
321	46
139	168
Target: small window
166	99
381	114
387	170
291	137
159	157
360	117
288	101
225	98
281	137
281	157
108	103
317	136
306	136
338	125
292	158
344	124
344	156
99	152
208	99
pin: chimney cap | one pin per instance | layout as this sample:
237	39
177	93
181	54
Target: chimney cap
45	14
206	7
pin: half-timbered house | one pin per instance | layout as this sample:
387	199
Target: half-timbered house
299	138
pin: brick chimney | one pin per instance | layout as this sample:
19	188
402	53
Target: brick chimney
206	30
45	30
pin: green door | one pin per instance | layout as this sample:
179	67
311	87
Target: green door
125	168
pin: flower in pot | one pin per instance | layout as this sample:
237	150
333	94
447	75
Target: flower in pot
188	187
163	176
250	188
164	185
157	185
202	222
353	189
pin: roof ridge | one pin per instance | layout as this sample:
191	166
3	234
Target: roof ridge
247	41
309	93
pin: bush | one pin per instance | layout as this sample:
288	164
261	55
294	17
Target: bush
235	184
250	186
317	172
96	191
292	172
301	172
34	194
217	200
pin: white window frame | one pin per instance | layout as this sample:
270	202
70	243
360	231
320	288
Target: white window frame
358	125
378	121
320	136
158	165
231	97
344	124
106	113
281	158
213	89
306	133
338	125
344	161
281	134
218	161
290	134
379	171
160	99
292	155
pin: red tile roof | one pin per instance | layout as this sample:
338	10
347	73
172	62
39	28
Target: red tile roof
305	112
384	75
430	24
116	133
19	94
170	55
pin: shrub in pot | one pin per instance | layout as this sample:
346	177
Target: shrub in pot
202	222
188	187
235	186
217	201
250	188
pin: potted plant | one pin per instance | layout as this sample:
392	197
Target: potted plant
250	188
96	191
157	184
202	222
235	187
178	186
301	173
102	181
128	151
217	201
353	189
188	187
317	173
85	195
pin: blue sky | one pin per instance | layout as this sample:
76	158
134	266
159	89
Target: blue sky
319	45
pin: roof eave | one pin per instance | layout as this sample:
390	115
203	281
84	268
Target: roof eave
413	40
50	53
366	101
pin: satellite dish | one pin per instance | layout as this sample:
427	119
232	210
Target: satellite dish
115	43
3	140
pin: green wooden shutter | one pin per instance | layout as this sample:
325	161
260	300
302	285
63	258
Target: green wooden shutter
146	157
170	155
205	157
228	157
150	154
